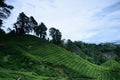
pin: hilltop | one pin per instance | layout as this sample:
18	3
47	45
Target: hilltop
27	57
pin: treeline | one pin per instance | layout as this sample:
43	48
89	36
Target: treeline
26	25
95	53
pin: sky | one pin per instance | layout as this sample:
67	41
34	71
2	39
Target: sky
92	21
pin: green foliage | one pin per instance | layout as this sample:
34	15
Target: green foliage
40	30
96	54
56	35
114	65
117	51
2	32
24	24
35	59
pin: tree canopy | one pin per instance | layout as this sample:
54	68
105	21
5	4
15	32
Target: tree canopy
5	11
117	51
56	35
40	30
24	24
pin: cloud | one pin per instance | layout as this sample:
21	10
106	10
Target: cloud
109	10
112	8
105	35
107	24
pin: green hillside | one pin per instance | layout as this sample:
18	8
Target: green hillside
30	58
112	64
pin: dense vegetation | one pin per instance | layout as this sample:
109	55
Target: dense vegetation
30	57
95	53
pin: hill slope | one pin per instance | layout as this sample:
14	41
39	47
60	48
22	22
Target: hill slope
29	58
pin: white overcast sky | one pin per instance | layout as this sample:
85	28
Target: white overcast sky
84	20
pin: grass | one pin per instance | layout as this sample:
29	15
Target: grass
32	58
